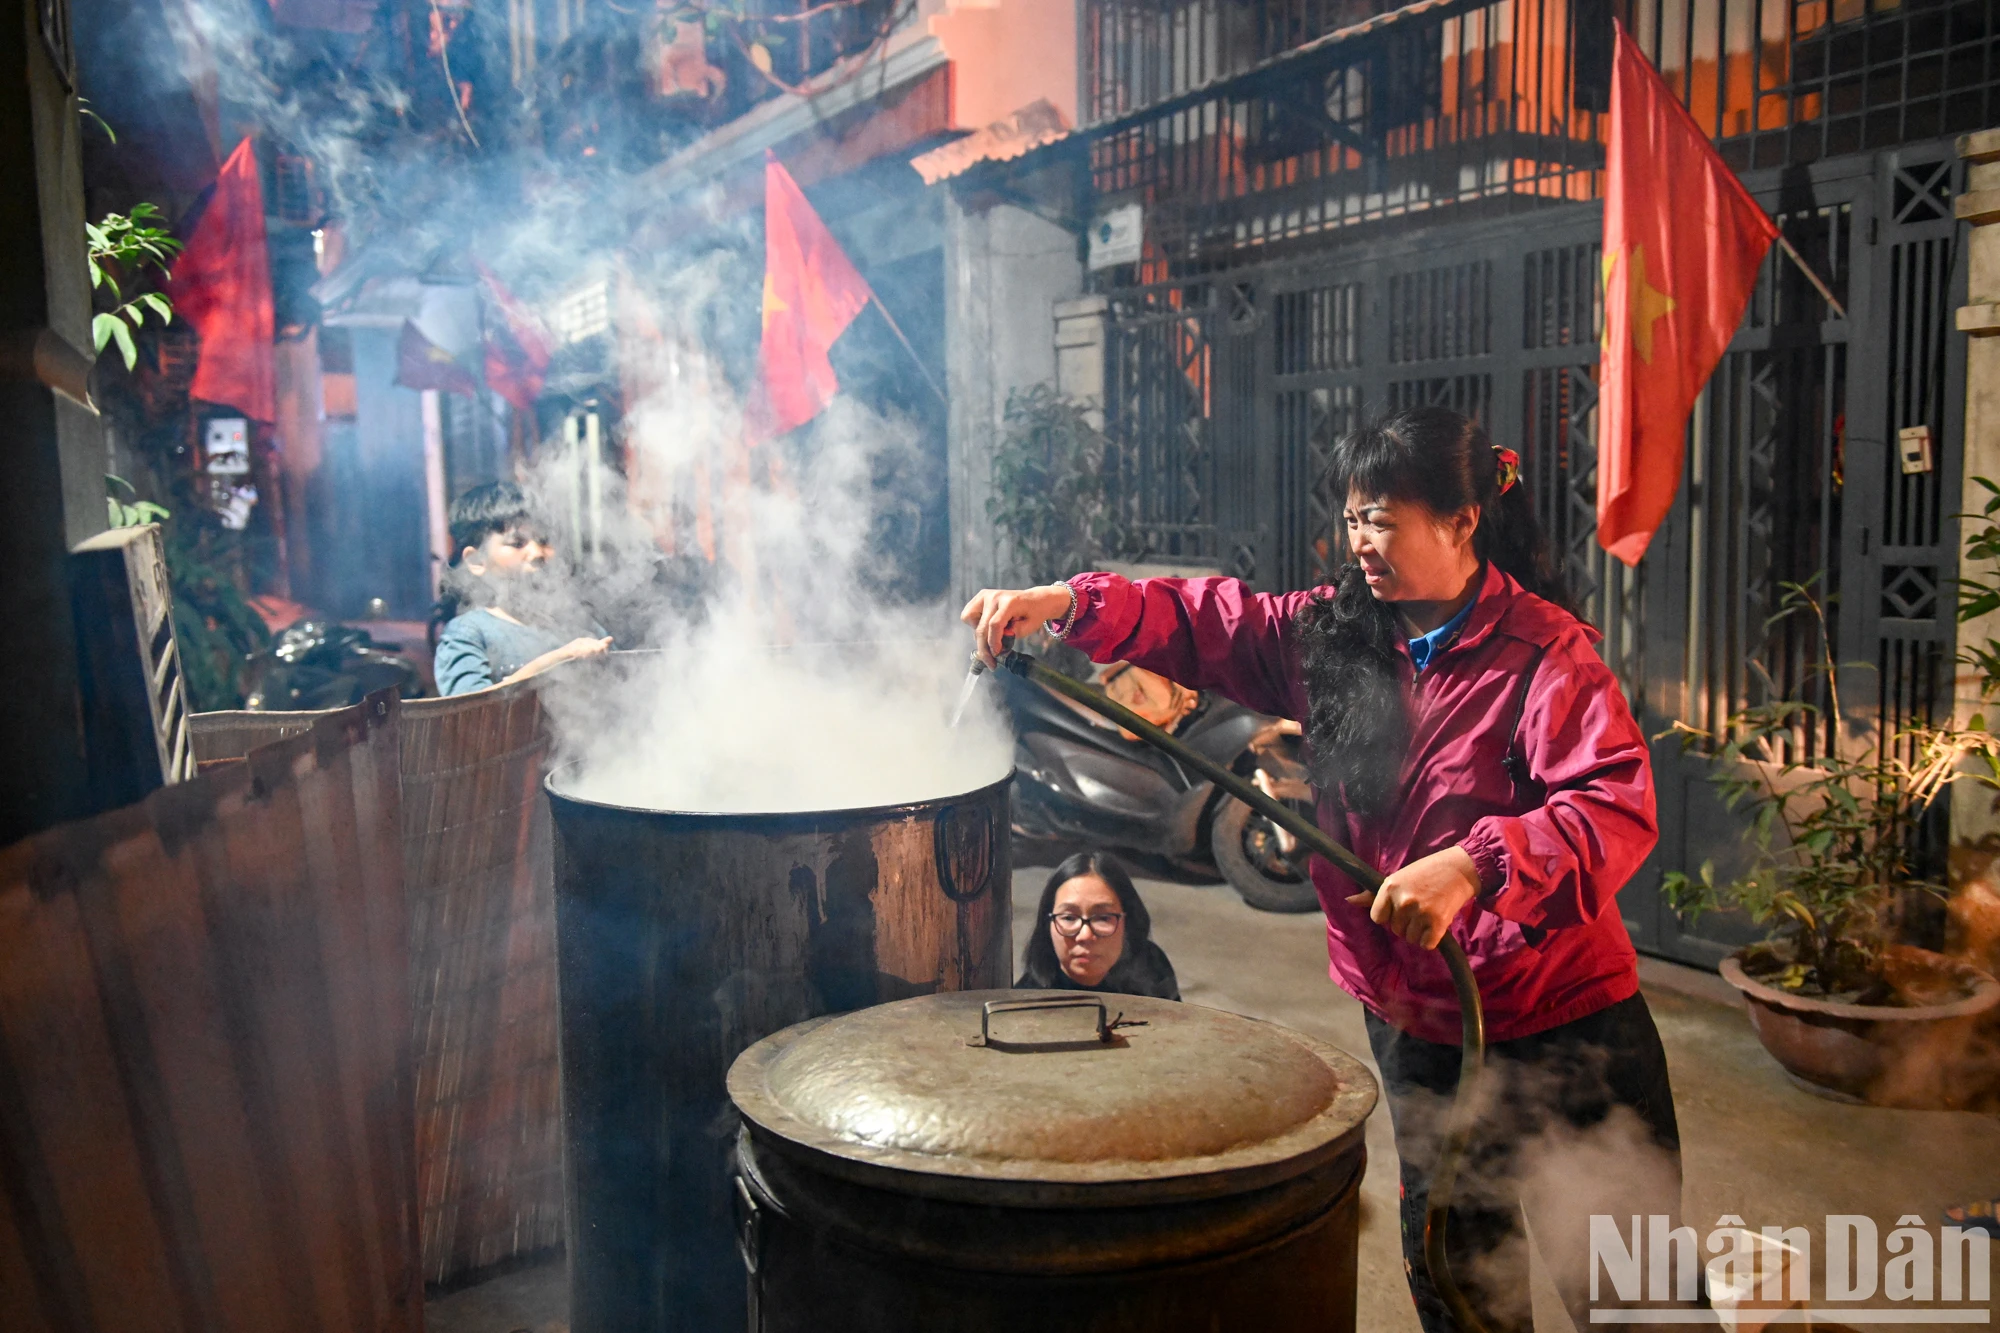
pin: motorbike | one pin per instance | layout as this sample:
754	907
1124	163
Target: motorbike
1080	779
316	664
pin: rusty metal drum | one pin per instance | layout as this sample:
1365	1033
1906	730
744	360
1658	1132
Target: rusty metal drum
988	1163
681	939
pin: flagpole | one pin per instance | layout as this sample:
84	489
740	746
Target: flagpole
1826	292
922	369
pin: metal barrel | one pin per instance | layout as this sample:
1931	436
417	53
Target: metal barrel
989	1163
1279	1260
681	940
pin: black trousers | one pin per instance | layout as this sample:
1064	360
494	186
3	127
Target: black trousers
1572	1121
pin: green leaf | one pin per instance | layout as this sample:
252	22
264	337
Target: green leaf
123	337
101	327
160	306
84	112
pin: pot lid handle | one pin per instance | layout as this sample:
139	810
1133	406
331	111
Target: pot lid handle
1106	1026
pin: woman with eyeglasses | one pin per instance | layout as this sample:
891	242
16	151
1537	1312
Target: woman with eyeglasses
1093	933
1469	743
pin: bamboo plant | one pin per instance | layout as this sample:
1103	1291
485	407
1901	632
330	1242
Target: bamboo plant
1833	836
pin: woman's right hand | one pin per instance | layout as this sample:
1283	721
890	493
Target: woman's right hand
998	614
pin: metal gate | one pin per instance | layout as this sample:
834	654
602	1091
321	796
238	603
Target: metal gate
1225	393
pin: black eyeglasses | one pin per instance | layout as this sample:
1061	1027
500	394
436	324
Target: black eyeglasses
1069	925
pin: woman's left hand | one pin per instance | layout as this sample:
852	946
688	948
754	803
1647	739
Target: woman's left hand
1419	902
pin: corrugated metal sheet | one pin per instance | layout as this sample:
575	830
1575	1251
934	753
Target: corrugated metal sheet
1032	126
205	1073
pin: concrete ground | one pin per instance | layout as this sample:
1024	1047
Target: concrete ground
1755	1145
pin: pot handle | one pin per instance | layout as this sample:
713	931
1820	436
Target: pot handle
992	1007
749	1224
949	860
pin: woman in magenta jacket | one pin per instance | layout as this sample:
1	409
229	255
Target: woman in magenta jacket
1467	741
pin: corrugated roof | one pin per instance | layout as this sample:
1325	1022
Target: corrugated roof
1032	126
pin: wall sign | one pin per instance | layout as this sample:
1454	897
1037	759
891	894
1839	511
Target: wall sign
1118	237
1913	446
225	458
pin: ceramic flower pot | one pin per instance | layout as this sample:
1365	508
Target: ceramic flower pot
1928	1056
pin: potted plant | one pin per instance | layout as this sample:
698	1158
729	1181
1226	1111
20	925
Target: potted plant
1049	496
1833	852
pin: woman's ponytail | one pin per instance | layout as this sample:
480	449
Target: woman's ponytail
1511	536
1358	724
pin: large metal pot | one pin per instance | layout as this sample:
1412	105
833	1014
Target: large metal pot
683	938
980	1163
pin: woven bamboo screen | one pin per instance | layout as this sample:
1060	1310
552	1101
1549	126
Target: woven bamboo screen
476	858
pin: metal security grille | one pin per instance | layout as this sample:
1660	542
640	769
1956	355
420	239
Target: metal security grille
1228	395
1176	393
1764	486
1764	511
1229	391
1923	283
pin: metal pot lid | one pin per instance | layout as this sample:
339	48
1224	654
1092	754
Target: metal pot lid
991	1089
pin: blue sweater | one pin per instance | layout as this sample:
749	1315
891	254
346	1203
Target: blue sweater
479	649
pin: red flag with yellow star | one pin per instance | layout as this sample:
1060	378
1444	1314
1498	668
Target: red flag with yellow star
1682	244
811	294
221	285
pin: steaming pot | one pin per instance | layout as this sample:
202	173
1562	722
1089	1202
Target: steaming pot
988	1163
683	938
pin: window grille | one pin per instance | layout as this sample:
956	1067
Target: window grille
582	314
295	192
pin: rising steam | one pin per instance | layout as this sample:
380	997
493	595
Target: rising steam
785	674
795	683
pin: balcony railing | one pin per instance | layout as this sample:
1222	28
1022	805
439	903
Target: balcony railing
1136	54
1247	125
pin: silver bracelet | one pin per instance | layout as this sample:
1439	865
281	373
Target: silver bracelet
1059	629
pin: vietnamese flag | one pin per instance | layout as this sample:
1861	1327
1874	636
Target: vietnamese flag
421	364
811	294
516	351
221	285
1683	241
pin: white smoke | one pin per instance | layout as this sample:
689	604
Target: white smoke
804	686
807	684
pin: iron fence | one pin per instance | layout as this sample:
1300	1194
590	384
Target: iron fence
1275	307
1227	391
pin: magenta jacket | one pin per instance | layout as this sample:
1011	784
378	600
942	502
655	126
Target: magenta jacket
1544	937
